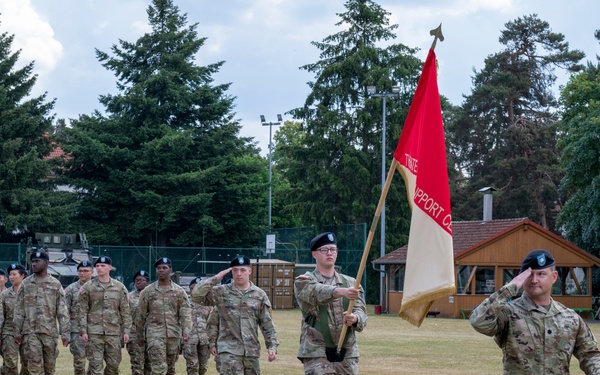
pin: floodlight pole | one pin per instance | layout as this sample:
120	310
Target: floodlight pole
270	125
371	91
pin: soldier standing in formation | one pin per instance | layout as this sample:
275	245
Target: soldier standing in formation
243	308
163	319
10	349
104	317
196	351
77	346
40	304
139	361
323	296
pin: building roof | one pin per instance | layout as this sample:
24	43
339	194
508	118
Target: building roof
465	235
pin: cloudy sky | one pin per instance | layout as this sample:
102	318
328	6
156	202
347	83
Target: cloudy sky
264	42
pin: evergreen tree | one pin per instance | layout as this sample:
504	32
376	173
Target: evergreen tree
28	202
334	165
166	163
505	133
580	141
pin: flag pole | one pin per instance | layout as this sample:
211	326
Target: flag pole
437	34
365	256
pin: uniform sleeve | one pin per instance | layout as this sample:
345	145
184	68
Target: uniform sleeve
84	307
586	350
125	311
204	293
141	314
185	313
267	327
310	293
360	310
19	312
490	317
2	311
212	328
64	323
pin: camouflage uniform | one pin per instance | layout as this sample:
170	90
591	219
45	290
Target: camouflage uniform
314	291
196	351
10	349
535	340
40	303
104	317
162	317
139	361
212	331
241	313
77	346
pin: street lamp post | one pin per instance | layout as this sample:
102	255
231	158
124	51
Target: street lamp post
371	90
270	125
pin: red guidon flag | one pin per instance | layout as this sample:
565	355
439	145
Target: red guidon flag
421	154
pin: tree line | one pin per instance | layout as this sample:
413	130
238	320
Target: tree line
164	163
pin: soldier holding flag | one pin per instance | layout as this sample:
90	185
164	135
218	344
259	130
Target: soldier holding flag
323	296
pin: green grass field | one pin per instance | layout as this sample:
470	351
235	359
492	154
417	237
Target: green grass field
389	345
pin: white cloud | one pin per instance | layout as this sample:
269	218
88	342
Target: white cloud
33	35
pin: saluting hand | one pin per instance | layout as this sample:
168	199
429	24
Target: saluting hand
222	274
520	279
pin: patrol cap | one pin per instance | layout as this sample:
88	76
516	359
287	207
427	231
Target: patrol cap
163	260
240	261
39	255
537	259
195	281
326	238
84	263
103	260
15	267
143	274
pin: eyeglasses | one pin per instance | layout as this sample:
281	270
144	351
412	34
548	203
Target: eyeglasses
325	250
140	280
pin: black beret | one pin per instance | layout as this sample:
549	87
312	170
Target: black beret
537	259
104	260
85	263
141	273
194	281
15	267
326	238
39	255
2	272
240	261
163	260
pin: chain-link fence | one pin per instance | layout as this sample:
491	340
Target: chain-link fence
291	245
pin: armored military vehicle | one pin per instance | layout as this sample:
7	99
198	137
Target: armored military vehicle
65	251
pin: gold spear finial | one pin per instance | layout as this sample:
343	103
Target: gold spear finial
437	33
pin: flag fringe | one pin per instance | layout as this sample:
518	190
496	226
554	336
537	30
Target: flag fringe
422	304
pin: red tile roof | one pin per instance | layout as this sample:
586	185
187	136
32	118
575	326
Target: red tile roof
465	235
57	152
